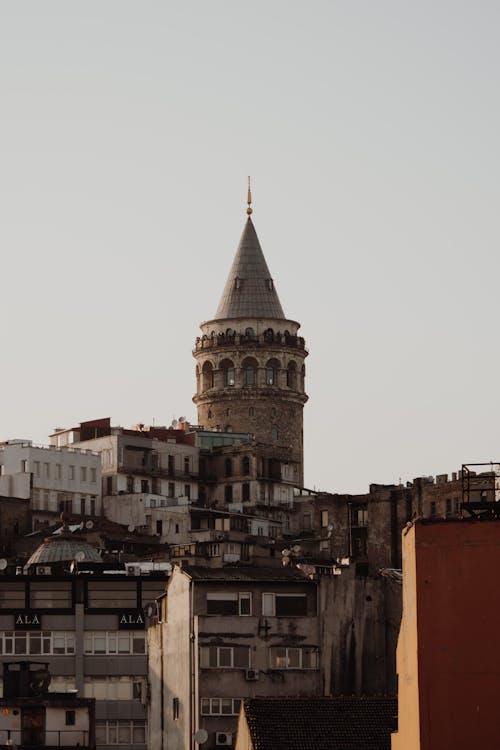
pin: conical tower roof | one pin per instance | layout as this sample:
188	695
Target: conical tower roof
249	290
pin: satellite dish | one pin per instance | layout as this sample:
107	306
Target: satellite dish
296	549
131	527
80	556
201	736
286	552
3	564
89	525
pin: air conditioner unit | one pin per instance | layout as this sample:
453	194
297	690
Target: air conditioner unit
251	674
43	570
223	739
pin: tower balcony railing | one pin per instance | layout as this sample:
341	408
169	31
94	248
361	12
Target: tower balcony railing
221	340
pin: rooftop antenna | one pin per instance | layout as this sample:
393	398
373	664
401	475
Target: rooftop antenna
249	199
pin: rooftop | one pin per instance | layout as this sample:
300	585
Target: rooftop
321	723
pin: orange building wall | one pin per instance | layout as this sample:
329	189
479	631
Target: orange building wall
457	596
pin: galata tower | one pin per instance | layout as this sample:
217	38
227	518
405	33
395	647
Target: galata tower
250	370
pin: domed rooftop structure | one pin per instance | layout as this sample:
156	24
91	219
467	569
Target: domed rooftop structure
64	547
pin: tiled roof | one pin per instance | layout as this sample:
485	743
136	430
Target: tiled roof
249	573
321	723
249	290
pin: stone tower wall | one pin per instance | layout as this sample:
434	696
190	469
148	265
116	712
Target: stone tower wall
251	378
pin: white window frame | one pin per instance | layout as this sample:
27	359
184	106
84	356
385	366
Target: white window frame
112	640
233	596
288	650
111	727
12	640
205	657
214	706
269	605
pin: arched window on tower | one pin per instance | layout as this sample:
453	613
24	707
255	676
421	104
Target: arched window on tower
227	368
274	434
291	375
272	368
249	366
249	333
207	376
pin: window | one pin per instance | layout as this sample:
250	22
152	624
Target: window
284	605
82	506
58	471
92	506
230	657
249	375
71	472
433	508
448	506
292	657
324	518
45	595
93	475
361	516
130	484
245	465
83	473
171	489
228	467
186	464
245	491
229	603
106	595
274	434
159	527
70	718
306	521
36	468
175	709
270	376
228	493
123	688
251	411
29	642
187	491
144	485
46	470
120	732
250	333
220	706
24	466
102	642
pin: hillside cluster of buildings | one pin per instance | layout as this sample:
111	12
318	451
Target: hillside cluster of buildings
164	577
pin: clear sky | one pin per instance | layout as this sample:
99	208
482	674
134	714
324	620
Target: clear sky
371	131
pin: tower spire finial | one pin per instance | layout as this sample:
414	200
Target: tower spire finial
249	199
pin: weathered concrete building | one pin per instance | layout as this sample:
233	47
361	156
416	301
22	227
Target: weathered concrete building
87	621
448	665
223	635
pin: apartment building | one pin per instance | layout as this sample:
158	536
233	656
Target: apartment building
224	635
87	620
54	479
145	471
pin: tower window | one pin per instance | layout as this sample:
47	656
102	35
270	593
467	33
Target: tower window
274	435
250	375
237	283
207	376
251	411
250	333
229	379
270	376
